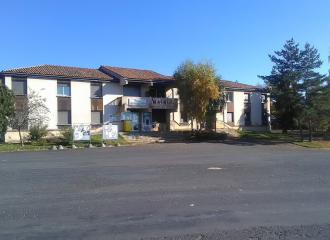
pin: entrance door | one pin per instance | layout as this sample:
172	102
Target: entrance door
147	124
135	121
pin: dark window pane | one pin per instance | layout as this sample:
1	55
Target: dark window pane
152	93
132	91
96	90
19	87
229	97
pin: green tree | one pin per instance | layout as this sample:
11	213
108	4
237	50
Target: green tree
215	105
29	111
313	88
196	84
299	93
6	107
284	84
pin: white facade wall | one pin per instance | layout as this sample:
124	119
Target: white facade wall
239	118
80	102
111	91
255	99
8	82
46	88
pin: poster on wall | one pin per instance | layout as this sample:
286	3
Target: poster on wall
138	102
110	131
81	132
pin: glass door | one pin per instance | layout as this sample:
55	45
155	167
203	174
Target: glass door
135	121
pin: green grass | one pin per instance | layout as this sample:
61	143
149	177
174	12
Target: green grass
96	141
262	135
314	144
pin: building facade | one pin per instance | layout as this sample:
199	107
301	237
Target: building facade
144	98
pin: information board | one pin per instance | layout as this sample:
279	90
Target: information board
81	132
110	131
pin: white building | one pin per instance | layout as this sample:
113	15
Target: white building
86	95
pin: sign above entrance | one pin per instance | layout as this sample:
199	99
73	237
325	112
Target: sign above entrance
137	102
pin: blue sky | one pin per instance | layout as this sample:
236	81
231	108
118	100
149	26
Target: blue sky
237	35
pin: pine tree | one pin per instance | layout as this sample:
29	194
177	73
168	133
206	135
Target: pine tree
313	87
299	93
284	84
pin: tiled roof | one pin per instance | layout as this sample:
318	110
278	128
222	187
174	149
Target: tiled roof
133	73
63	71
229	84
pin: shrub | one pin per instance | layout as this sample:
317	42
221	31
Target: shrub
209	135
66	134
37	132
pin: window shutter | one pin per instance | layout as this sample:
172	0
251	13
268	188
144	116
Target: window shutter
64	117
96	117
96	90
19	87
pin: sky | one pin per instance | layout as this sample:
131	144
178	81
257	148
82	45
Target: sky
236	35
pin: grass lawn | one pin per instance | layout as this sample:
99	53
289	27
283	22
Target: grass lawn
314	144
262	135
96	141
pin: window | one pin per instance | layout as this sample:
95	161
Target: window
132	91
246	97
229	97
96	90
230	117
64	117
159	93
63	111
18	85
263	98
264	116
63	89
97	117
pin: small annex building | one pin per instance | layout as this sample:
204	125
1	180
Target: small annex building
147	98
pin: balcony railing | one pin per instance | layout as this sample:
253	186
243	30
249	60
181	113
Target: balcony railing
148	102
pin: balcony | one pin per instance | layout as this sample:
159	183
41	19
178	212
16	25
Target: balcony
147	102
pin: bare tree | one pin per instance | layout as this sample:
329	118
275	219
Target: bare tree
30	110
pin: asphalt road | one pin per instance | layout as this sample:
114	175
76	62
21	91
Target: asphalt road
167	191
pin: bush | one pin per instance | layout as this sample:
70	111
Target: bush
37	132
209	135
67	134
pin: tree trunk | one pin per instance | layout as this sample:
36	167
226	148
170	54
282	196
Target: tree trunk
300	130
310	129
215	126
192	126
20	137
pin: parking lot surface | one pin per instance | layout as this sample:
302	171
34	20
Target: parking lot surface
171	191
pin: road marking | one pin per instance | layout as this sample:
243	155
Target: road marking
214	168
